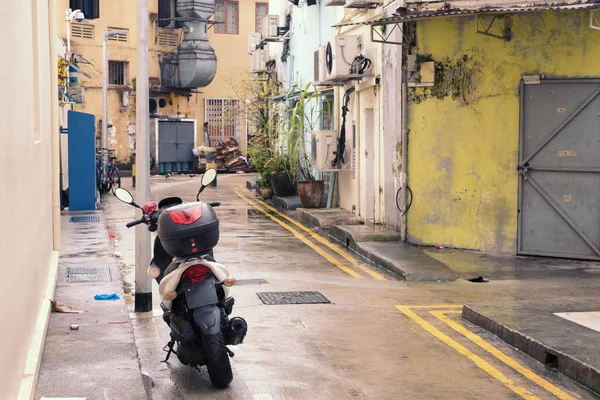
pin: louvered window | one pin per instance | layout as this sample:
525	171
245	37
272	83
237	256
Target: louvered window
120	37
82	31
168	39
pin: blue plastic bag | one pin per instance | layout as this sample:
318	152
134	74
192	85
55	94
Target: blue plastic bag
113	296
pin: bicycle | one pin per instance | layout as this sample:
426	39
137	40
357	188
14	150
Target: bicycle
107	175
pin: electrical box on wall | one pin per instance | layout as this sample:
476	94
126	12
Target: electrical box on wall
323	148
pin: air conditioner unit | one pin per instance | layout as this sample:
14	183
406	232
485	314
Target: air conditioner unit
340	52
363	3
332	3
323	148
269	26
319	65
254	40
259	61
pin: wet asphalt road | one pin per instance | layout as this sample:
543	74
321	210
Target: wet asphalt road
359	346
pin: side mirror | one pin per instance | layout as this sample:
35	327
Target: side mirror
124	195
209	176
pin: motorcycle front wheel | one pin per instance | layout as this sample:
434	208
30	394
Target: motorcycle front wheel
217	360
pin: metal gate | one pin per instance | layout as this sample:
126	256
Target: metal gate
223	119
559	169
176	141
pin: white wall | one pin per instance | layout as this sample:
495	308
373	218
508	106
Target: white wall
26	180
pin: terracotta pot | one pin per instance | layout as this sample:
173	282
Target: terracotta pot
311	193
282	185
266	192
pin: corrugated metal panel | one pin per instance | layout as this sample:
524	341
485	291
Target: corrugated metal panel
421	15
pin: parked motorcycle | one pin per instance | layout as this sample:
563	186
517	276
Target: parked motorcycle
193	287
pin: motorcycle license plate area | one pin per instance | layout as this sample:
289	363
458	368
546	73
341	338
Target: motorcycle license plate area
201	294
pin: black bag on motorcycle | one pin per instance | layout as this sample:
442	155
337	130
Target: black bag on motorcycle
188	229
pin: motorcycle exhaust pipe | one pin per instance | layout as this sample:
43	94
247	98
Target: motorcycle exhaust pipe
236	332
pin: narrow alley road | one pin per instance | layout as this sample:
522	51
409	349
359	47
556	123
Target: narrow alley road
378	338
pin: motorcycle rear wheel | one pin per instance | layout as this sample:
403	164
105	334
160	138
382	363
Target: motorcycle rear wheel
217	360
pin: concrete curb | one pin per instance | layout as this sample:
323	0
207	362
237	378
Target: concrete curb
569	366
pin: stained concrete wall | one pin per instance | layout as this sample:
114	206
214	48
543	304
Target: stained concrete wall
26	172
463	150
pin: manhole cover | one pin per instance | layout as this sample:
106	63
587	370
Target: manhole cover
251	282
85	218
88	274
274	298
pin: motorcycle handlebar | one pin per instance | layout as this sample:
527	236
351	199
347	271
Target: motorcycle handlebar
137	222
214	204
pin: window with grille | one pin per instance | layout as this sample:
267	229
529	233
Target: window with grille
82	31
90	8
166	13
168	39
117	73
223	118
120	37
261	11
227	13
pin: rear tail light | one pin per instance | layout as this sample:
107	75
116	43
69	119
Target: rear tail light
197	273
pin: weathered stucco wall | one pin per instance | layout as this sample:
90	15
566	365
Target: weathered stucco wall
463	149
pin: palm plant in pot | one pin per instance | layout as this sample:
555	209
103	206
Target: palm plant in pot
304	117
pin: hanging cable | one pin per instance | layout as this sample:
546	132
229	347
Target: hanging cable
409	203
360	65
340	158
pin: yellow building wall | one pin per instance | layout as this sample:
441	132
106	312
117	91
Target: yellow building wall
232	61
463	153
26	242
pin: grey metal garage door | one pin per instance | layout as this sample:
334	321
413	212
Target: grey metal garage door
559	169
175	144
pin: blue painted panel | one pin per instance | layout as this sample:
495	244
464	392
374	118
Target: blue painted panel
82	161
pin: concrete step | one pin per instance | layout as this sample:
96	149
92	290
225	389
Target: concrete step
327	217
384	248
286	203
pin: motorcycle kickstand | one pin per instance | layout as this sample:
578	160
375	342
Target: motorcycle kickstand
170	346
231	353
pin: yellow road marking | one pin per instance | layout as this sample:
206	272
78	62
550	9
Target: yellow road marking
302	238
324	241
481	363
501	356
435	306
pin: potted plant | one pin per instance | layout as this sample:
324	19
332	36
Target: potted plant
310	190
303	121
281	177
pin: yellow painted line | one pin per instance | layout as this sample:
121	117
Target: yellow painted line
434	306
526	372
480	362
302	238
324	241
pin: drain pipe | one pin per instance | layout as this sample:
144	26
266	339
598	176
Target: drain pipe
404	144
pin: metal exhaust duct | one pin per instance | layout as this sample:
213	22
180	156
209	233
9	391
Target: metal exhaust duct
197	59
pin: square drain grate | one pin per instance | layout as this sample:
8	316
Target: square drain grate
275	298
85	218
88	274
251	282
